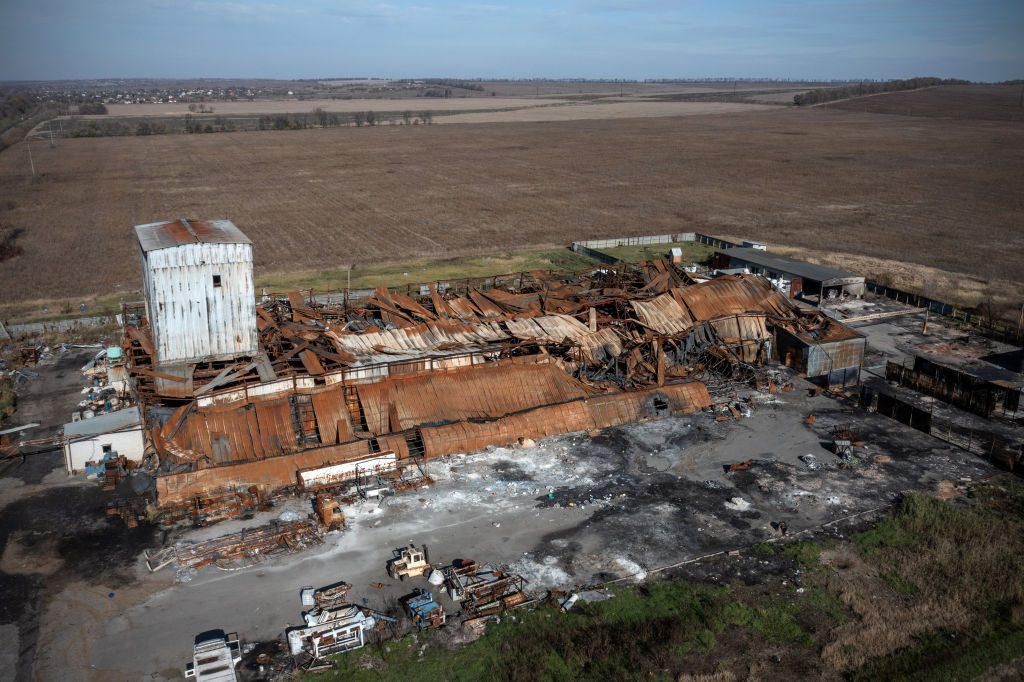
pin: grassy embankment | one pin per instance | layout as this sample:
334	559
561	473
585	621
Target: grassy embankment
933	592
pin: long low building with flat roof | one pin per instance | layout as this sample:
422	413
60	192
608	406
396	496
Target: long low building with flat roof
794	277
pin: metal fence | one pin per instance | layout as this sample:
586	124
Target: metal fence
973	394
591	247
637	241
57	326
599	256
998	451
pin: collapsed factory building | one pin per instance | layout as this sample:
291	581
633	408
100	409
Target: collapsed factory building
243	400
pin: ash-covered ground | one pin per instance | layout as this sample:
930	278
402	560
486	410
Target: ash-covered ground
573	510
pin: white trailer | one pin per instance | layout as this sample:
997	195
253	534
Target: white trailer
317	478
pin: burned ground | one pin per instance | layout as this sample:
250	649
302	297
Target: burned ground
55	532
862	600
317	199
654	518
56	537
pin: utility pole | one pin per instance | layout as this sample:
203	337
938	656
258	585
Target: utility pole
31	163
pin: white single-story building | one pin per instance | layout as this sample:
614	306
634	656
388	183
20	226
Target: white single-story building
88	439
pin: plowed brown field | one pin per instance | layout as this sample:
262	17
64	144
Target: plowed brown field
944	193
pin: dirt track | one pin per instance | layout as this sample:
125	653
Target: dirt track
924	190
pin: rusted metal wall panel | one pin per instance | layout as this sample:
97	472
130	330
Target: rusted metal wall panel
819	359
276	428
827	357
596	412
395	443
268	474
329	406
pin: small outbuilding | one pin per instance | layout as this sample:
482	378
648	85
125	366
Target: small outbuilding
88	440
830	356
793	277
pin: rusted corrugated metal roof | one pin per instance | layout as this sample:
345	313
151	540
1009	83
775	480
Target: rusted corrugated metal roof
440	337
828	331
730	295
597	347
676	312
478	392
239	431
663	314
597	412
153	236
741	327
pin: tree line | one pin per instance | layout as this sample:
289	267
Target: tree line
189	124
821	95
20	111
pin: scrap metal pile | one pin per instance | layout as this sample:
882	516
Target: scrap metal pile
235	550
624	328
482	590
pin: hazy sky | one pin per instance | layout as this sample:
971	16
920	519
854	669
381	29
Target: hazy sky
57	39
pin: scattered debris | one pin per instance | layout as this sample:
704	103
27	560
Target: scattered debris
738	466
811	461
234	550
737	504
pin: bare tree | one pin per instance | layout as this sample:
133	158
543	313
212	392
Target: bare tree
359	117
407	116
371	118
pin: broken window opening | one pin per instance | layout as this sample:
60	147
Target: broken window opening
216	281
